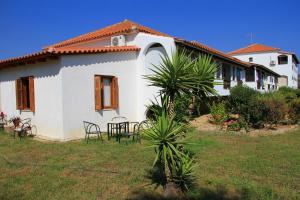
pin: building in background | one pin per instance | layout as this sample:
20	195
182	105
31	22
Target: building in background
100	75
277	60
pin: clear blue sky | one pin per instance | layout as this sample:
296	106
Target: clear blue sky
26	26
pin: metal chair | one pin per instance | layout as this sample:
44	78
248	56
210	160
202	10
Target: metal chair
117	119
134	130
128	129
142	126
24	129
91	129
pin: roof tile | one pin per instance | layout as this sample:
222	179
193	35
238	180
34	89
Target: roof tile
125	26
253	48
65	50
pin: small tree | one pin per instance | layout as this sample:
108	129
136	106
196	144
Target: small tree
176	76
164	135
180	75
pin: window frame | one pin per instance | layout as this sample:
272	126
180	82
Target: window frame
25	91
281	62
114	97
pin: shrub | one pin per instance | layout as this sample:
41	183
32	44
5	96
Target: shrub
181	110
239	100
294	111
257	112
266	109
233	126
218	113
182	104
288	93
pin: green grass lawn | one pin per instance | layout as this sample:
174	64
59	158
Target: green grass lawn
228	167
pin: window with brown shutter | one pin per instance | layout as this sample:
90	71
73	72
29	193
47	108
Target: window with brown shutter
25	93
106	92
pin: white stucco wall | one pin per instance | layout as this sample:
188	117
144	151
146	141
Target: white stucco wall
78	89
134	93
48	96
144	60
64	88
265	58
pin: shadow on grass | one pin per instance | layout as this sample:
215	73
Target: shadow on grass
220	193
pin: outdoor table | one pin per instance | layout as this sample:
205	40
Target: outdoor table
117	126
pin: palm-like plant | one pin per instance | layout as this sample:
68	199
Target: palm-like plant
163	135
204	69
181	75
176	167
173	76
184	176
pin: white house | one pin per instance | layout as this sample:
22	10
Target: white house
282	62
97	76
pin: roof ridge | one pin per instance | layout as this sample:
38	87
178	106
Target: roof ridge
259	48
123	26
88	33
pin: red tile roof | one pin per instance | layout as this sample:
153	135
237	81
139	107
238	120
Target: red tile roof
213	51
53	52
69	46
74	50
253	48
123	27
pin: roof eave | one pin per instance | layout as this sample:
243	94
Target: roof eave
187	43
266	69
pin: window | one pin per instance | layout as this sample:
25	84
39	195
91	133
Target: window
249	75
106	92
250	59
282	59
25	93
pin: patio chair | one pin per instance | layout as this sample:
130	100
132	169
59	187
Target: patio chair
24	128
134	130
129	131
142	126
116	120
91	129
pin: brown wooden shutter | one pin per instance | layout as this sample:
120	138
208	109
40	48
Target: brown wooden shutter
19	94
98	99
115	93
31	93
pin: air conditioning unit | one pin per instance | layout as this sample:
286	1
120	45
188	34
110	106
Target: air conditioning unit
118	40
272	62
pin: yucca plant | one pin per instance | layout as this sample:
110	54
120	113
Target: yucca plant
204	68
173	76
180	75
184	176
157	107
164	135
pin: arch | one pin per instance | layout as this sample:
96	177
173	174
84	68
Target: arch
154	45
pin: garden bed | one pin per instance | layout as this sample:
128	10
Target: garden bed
203	123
